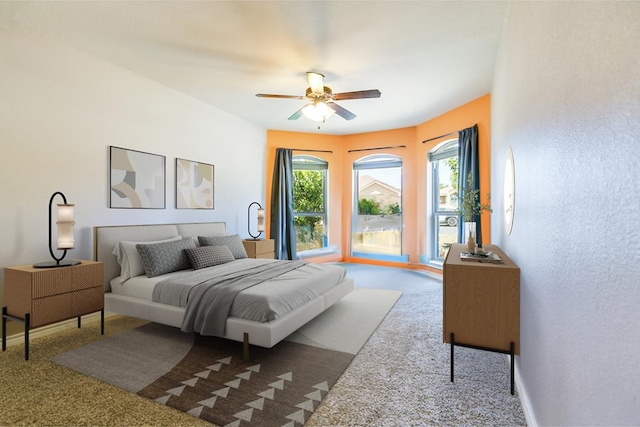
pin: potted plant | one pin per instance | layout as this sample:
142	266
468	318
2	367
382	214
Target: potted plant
470	208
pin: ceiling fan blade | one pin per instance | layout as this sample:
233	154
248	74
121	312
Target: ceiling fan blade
296	115
267	95
316	82
342	112
373	93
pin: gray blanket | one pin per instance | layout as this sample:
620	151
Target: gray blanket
208	299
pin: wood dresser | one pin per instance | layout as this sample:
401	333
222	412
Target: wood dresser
41	296
481	304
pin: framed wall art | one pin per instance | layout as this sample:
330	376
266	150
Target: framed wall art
194	185
136	179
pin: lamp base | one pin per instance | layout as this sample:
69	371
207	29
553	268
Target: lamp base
56	264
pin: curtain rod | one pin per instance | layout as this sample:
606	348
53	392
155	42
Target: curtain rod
438	137
378	148
310	151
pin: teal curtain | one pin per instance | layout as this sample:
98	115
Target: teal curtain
468	161
282	228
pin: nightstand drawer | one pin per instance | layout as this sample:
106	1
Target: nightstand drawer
39	283
49	310
87	301
268	255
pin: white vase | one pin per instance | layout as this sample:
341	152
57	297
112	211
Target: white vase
470	233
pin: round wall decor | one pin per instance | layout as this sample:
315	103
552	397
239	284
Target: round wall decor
509	195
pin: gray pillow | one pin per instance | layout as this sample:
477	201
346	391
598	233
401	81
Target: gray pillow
208	256
166	257
233	242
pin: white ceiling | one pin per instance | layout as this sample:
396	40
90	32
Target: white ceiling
425	57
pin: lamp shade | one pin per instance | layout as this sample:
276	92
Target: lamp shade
261	220
318	111
65	224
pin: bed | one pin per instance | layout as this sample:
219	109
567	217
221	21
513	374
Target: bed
134	295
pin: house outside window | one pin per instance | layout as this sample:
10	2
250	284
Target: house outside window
310	202
443	218
377	207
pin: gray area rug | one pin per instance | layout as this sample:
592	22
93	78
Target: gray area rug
207	378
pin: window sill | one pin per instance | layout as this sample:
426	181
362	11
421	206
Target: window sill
435	264
313	253
381	257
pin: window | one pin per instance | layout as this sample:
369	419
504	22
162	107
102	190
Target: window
310	202
377	219
444	219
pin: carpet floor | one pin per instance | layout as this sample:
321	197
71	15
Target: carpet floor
399	378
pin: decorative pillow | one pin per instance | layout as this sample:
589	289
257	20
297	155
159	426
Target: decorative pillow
129	258
162	258
233	242
208	256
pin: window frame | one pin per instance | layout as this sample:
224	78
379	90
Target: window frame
313	163
444	150
376	161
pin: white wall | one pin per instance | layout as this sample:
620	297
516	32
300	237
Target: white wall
61	109
566	99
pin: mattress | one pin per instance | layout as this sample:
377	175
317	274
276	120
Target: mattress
262	303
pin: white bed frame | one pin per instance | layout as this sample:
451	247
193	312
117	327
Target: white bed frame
261	334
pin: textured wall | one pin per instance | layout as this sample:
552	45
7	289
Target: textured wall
60	109
566	99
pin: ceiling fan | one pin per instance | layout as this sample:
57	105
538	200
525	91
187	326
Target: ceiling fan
322	98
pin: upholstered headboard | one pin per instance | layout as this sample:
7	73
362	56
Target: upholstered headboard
105	239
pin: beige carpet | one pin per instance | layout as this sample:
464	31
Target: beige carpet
42	393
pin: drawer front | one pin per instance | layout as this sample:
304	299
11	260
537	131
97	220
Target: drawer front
268	255
87	276
87	301
264	246
50	309
51	281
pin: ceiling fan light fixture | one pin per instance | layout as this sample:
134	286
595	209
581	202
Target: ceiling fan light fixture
318	111
316	82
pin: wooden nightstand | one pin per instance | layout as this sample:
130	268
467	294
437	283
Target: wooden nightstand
41	296
259	248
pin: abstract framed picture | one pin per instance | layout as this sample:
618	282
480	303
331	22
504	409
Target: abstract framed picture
137	180
194	185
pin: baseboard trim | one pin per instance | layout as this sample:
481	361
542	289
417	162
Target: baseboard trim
525	402
55	328
527	409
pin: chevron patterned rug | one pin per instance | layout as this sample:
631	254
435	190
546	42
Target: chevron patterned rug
207	378
279	386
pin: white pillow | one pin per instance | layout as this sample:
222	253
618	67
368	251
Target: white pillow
129	258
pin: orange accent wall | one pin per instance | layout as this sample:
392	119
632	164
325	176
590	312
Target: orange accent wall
396	138
414	156
300	142
477	111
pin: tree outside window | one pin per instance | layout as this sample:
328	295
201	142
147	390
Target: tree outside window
377	223
309	202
